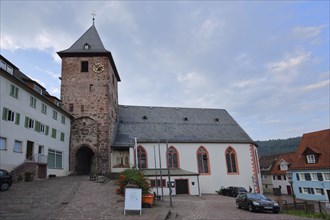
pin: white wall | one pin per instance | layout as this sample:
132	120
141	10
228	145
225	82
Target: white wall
218	177
11	131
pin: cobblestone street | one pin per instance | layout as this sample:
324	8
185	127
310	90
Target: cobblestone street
76	197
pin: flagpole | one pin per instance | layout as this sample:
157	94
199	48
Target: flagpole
136	154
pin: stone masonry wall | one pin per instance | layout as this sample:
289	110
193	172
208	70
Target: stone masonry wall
93	95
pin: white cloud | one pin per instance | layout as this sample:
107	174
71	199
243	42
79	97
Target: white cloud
192	79
290	62
309	31
318	85
248	83
50	73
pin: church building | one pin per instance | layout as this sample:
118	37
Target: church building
205	148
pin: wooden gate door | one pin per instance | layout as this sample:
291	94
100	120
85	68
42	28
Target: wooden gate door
181	186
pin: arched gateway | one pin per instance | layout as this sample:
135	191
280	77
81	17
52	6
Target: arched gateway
85	162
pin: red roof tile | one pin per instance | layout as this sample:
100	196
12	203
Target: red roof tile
319	143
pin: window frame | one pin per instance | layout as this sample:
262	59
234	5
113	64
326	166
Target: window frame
310	158
170	157
33	102
14	91
54	114
3	143
142	151
232	155
43	108
56	153
200	153
20	149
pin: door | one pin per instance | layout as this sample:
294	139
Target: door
29	150
328	192
181	186
288	188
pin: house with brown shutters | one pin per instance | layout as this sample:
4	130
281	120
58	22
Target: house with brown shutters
311	167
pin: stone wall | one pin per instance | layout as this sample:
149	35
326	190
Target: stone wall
93	99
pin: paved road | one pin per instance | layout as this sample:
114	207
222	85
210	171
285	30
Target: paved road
78	198
216	207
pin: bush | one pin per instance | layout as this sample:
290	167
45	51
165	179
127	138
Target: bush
133	176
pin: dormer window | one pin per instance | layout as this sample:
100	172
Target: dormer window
310	158
38	89
87	46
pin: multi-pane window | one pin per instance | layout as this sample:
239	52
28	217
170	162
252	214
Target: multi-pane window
326	176
29	123
231	160
302	177
319	191
17	146
157	183
63	119
307	176
14	91
310	158
43	108
203	160
53	133
55	159
62	136
54	114
33	102
142	157
172	158
9	115
3	145
314	176
298	176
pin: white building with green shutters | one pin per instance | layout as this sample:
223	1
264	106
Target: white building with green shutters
34	130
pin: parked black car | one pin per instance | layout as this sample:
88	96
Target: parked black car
233	191
255	202
5	180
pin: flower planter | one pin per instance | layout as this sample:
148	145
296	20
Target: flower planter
148	199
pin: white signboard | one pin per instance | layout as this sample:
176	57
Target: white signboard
133	198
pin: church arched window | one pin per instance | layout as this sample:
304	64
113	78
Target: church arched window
142	157
231	161
203	160
172	158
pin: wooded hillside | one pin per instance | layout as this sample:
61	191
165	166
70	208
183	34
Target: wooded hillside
278	146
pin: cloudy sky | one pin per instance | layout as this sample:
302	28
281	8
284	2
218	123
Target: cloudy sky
266	63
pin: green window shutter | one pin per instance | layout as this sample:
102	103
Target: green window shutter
16	92
17	118
37	126
4	114
47	129
26	121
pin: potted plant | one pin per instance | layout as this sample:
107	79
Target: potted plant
136	177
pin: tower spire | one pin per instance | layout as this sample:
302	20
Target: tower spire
93	14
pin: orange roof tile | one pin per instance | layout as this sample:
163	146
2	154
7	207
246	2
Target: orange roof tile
318	142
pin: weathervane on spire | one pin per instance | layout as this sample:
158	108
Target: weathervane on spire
93	14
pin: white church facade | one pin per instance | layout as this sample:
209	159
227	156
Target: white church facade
207	148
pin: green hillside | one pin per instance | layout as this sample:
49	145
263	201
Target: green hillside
278	146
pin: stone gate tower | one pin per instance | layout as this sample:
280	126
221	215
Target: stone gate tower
89	91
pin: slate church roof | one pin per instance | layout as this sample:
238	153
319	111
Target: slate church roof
177	125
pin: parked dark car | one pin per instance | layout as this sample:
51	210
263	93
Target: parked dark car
5	180
233	191
255	202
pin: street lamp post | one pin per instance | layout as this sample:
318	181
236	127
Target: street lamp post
291	183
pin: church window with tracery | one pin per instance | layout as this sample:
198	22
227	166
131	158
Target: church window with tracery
231	160
203	160
142	157
173	158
